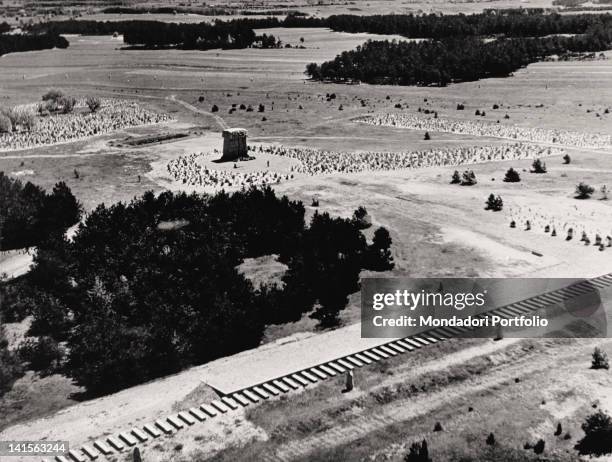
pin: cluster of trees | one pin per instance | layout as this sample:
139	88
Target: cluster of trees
530	24
449	60
158	34
517	23
147	288
11	43
16	119
28	214
468	178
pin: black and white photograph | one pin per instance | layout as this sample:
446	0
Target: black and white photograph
305	230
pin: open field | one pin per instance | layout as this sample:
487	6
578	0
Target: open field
438	229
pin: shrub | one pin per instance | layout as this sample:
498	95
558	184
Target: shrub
93	103
559	429
419	452
512	176
468	178
494	203
460	107
6	126
538	166
456	178
66	104
597	439
53	95
215	108
496	106
604	192
490	439
437	427
567	159
477	113
599	359
200	99
538	448
261	108
584	191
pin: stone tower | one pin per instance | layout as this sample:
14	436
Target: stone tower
234	144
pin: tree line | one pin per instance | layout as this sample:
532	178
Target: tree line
150	287
11	43
29	215
450	60
158	34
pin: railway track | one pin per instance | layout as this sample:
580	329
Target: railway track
121	442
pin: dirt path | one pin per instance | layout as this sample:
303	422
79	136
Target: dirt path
192	108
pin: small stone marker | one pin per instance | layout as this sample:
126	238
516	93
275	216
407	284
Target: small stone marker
349	381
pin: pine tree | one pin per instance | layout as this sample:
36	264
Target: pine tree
512	176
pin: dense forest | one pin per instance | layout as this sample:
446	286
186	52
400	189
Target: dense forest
28	214
449	60
11	43
240	33
147	288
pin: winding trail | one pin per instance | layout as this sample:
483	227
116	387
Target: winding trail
192	108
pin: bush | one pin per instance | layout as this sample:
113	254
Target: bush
597	439
215	108
468	178
66	104
261	108
599	359
538	166
419	452
538	448
460	107
494	203
6	126
93	103
584	191
512	176
559	429
53	95
456	178
567	159
200	99
437	427
490	439
427	137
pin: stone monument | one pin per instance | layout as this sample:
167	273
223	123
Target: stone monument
234	144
